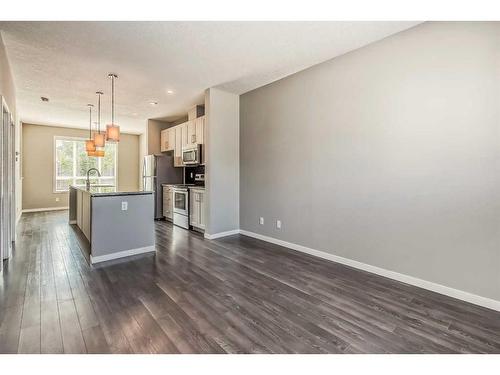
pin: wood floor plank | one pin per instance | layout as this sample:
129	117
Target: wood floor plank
50	329
70	328
233	295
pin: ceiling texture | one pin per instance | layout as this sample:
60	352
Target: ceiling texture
68	62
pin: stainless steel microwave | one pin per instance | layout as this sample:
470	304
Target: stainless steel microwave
192	155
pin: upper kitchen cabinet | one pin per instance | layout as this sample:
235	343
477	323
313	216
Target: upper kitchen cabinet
195	130
184	133
200	130
178	146
167	140
191	133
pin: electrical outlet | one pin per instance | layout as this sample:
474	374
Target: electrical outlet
278	224
261	221
57	199
124	206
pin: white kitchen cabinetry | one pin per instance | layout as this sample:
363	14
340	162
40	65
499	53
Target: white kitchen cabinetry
197	208
171	139
167	140
168	206
184	132
187	134
199	130
191	133
178	146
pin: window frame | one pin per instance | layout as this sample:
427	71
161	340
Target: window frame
74	177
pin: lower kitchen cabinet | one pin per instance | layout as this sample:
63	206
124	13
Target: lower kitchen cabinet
168	206
197	208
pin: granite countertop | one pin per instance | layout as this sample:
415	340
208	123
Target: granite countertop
109	191
197	187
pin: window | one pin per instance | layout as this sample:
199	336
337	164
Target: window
72	164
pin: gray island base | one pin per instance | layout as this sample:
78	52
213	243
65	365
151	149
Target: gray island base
116	224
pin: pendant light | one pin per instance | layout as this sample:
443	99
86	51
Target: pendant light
113	130
99	138
89	144
93	153
99	152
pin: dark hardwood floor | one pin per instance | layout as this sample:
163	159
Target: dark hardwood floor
235	295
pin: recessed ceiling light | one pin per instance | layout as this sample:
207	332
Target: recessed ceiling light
153	103
170	92
44	99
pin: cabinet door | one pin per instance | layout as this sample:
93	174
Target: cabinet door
167	203
201	210
200	130
171	139
191	132
79	209
184	132
171	204
163	141
193	217
178	146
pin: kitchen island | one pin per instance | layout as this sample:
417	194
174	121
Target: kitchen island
115	223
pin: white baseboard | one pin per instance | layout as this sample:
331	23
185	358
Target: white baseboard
438	288
122	254
45	209
221	234
72	221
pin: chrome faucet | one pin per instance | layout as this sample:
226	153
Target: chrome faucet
88	178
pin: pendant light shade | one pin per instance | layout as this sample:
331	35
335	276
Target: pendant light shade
99	138
89	144
99	153
112	130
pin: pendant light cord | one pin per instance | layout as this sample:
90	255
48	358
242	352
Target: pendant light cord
90	121
113	99
99	113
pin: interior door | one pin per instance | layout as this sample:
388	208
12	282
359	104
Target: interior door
6	193
13	201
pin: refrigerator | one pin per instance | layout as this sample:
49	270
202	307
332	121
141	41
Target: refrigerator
158	170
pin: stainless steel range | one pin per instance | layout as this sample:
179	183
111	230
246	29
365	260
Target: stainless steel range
181	206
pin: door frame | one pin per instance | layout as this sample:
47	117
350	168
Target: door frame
7	188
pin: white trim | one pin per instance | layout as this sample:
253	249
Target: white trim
221	234
122	254
438	288
19	216
44	209
72	222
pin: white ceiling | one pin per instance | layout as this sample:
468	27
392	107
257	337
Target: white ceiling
68	61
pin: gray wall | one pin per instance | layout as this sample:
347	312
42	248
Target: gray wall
222	159
388	155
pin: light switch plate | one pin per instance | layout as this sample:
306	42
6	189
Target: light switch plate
278	224
261	221
124	206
